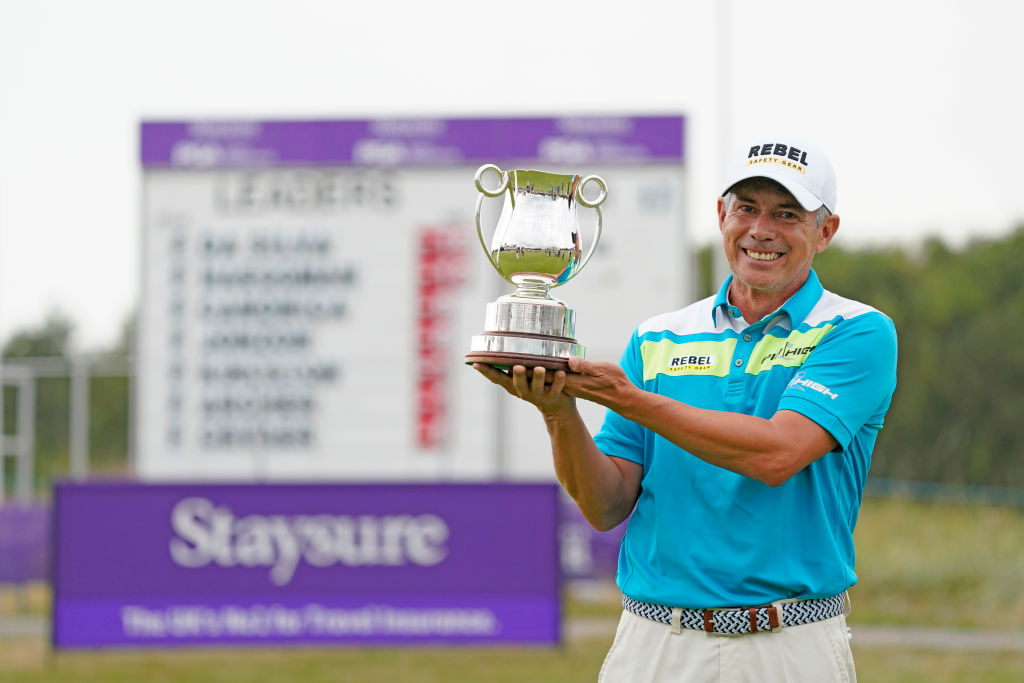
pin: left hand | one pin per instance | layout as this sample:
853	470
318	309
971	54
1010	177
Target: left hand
598	381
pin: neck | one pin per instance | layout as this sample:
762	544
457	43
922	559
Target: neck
754	308
755	304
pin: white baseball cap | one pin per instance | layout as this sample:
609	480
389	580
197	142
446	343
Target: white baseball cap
794	162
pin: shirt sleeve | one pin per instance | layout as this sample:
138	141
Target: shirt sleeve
618	436
847	381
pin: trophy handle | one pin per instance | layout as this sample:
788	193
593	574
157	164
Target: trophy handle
484	192
595	205
479	178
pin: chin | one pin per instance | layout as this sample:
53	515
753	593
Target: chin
758	280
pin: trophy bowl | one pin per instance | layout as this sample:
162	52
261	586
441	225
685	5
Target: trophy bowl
535	246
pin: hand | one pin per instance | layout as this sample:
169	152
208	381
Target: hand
598	381
539	386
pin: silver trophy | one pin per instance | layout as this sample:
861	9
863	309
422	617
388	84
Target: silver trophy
536	246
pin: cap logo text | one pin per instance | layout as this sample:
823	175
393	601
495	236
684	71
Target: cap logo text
777	153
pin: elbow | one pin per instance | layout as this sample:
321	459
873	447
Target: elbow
775	473
776	469
604	524
604	521
774	479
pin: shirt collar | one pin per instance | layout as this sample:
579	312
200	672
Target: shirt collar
797	307
722	302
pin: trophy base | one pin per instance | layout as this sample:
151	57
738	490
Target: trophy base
505	361
504	349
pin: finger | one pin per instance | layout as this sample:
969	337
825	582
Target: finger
557	383
494	375
537	381
488	370
520	381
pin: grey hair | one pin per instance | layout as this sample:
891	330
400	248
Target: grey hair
820	214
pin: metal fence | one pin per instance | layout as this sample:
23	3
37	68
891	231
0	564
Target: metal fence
20	379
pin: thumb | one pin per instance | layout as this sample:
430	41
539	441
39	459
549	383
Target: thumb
576	364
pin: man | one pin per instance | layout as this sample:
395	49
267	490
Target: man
738	438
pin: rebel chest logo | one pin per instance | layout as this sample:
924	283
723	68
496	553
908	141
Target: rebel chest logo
689	363
778	153
677	359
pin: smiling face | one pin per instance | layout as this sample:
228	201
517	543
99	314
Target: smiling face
770	242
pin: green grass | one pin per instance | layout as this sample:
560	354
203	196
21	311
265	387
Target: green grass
939	565
28	662
882	665
574	662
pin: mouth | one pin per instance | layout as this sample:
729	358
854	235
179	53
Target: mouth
763	255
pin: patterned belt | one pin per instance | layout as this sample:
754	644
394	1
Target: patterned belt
742	619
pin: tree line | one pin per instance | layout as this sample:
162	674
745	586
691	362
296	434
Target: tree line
954	416
956	413
960	373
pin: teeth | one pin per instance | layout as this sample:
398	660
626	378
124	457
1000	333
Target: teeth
763	255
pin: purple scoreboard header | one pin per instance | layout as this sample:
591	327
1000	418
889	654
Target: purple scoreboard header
160	565
411	142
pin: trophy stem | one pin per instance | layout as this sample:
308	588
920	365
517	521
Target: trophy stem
532	289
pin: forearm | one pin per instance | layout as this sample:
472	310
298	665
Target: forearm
768	450
740	443
744	444
604	488
595	481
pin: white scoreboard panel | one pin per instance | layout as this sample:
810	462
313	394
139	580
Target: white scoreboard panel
310	289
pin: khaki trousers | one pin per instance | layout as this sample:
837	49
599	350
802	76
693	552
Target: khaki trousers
646	651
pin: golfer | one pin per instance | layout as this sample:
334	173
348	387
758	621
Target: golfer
737	440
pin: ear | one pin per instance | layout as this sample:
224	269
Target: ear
721	214
828	230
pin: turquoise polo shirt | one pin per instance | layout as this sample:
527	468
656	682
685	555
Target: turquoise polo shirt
702	536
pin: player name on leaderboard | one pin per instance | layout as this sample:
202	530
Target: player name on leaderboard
262	298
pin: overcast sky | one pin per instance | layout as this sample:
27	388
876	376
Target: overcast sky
918	104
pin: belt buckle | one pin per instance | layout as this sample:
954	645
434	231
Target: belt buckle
709	621
774	619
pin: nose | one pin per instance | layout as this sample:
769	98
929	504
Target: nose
762	228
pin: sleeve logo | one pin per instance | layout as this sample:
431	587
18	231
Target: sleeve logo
800	380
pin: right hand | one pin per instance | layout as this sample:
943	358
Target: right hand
537	386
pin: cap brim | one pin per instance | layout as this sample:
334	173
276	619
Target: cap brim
807	199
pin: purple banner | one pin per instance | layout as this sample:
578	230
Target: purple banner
585	552
24	532
153	565
412	142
